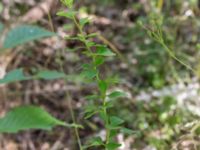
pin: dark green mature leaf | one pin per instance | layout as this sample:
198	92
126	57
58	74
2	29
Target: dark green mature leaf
13	76
112	146
23	34
50	75
102	86
28	117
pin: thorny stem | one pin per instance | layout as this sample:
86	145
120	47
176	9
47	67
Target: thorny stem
84	40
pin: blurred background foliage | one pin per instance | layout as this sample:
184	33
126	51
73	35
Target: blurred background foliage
163	94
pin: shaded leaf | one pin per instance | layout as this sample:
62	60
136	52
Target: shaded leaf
23	34
117	94
50	75
28	117
128	131
13	76
112	146
116	121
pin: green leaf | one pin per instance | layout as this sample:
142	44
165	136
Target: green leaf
89	73
116	121
104	51
68	3
128	131
13	76
102	86
84	21
69	14
99	61
96	141
23	34
112	146
50	75
28	117
117	94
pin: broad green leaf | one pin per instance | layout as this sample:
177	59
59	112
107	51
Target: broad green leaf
23	34
104	51
50	75
112	146
13	76
117	94
69	14
116	121
28	117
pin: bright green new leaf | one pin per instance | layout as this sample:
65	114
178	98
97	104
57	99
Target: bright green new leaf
13	76
104	51
69	14
50	75
68	3
28	117
23	34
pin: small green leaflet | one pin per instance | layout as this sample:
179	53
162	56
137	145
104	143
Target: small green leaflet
28	117
117	94
104	51
23	34
13	76
68	3
115	121
69	14
50	75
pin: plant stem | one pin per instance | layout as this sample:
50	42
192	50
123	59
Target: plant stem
84	40
68	97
